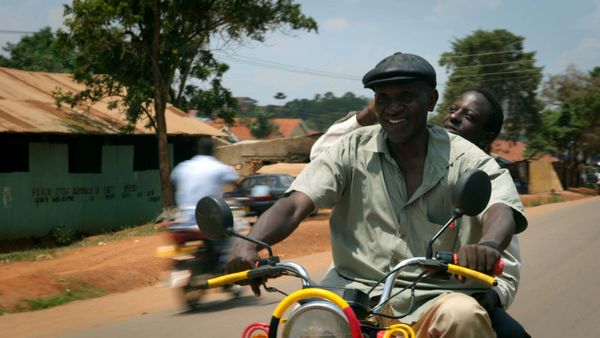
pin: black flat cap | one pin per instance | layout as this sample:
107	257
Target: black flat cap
400	67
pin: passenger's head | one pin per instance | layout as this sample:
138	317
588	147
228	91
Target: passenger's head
205	146
477	116
404	86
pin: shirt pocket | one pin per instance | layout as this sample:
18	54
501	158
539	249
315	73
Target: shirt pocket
448	241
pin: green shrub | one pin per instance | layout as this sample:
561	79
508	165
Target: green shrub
62	235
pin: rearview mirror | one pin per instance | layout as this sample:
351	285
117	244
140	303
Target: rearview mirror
214	218
470	196
471	193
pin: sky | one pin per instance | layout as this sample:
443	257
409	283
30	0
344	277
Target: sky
354	35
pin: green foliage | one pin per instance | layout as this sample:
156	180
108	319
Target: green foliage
75	291
279	96
320	112
261	126
39	52
571	124
62	235
143	54
495	60
118	38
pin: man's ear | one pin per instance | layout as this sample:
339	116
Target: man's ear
433	97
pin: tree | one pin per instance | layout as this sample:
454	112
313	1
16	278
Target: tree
261	126
39	52
144	53
320	112
280	96
570	126
495	60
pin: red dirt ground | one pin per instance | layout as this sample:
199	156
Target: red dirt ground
130	263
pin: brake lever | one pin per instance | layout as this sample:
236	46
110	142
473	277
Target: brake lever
272	261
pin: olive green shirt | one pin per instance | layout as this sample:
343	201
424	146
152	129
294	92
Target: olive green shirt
374	225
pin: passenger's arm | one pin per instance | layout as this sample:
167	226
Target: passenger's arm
365	117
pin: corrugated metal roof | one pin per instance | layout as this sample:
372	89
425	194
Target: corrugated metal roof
514	151
27	105
286	127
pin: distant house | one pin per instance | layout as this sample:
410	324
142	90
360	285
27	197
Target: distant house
240	129
74	167
531	176
246	104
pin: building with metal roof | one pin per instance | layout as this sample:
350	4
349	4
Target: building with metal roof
74	167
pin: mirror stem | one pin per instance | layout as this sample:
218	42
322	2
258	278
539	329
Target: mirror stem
261	245
456	214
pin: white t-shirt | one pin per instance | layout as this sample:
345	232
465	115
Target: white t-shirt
199	177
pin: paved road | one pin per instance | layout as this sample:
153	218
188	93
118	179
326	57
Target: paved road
557	296
220	316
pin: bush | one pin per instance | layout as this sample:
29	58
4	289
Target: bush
63	235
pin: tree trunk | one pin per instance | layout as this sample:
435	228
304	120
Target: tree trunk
160	105
163	154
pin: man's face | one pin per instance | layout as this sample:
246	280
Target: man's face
402	108
468	117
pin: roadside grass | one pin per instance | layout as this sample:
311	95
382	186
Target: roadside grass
549	200
76	290
36	254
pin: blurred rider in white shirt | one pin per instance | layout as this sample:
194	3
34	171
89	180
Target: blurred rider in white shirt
202	175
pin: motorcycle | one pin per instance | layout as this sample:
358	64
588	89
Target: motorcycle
323	313
196	258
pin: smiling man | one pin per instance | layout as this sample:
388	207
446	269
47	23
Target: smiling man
390	187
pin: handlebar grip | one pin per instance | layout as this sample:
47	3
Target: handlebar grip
459	270
452	258
498	267
226	279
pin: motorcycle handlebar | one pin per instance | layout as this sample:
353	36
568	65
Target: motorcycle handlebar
225	279
277	270
461	270
261	272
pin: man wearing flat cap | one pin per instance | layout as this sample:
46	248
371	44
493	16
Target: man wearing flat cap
390	186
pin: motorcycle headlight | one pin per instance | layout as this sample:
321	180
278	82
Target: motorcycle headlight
317	319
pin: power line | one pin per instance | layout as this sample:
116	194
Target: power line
286	67
507	79
4	31
485	53
493	64
497	73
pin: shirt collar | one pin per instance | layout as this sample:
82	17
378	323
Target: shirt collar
378	143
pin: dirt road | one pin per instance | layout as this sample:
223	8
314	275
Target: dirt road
125	264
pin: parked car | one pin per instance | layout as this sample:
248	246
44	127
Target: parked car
260	192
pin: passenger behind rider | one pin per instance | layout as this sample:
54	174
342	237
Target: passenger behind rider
476	116
391	186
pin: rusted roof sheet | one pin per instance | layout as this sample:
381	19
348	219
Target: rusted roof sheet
514	151
27	106
286	128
